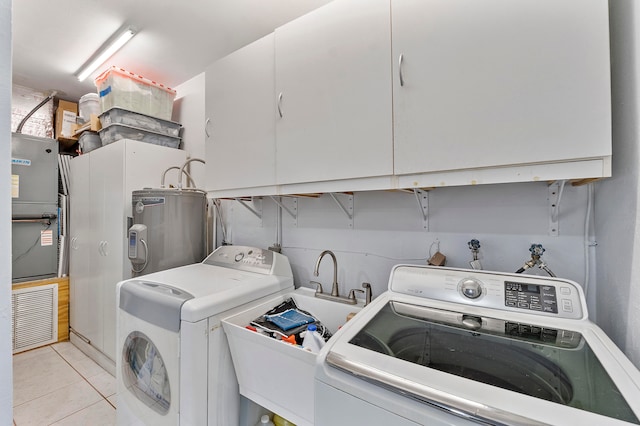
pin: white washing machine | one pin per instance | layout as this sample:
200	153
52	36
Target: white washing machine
448	346
173	365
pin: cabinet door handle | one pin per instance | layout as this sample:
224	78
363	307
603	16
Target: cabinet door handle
102	248
280	104
74	245
400	60
206	127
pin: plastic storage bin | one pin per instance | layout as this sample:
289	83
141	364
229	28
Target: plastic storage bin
276	375
124	89
115	132
142	121
89	141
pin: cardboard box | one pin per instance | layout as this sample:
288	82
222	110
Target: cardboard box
65	120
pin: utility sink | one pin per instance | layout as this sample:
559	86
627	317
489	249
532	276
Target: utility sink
277	375
332	314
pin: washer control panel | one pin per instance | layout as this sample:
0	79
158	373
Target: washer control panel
242	257
535	297
504	291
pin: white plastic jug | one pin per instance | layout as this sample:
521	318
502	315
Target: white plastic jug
312	341
265	421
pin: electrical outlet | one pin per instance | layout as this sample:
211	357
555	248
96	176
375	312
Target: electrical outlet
437	259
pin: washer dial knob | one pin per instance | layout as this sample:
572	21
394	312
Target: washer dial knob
470	288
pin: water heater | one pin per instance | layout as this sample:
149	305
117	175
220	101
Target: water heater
169	229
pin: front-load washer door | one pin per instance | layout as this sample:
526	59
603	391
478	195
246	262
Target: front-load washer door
147	365
145	373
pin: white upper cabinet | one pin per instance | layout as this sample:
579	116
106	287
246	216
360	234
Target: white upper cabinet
333	93
494	83
240	109
386	94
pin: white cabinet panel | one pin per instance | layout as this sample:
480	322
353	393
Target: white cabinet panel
240	144
499	82
84	296
333	91
108	199
101	185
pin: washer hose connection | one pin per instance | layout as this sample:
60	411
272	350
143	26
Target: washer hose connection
536	260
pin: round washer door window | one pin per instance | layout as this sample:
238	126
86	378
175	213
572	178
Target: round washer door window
144	373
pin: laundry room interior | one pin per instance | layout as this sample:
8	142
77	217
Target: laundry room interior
413	185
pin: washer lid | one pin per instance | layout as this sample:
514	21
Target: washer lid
215	289
450	358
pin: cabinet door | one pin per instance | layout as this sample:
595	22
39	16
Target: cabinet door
84	302
107	172
499	82
333	92
240	144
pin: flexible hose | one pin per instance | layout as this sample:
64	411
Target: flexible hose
547	270
164	174
146	258
28	116
189	161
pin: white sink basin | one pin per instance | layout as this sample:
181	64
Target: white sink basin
332	314
276	375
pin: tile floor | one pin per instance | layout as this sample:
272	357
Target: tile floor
59	385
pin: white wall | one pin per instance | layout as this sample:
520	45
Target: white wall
188	109
388	229
6	374
505	218
618	227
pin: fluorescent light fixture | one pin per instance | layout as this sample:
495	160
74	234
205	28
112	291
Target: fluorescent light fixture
111	46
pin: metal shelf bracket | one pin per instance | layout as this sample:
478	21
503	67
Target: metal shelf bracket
293	213
422	197
554	192
348	209
257	206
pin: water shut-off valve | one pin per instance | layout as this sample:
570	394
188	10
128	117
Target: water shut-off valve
536	260
474	246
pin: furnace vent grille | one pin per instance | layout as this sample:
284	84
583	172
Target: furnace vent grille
35	317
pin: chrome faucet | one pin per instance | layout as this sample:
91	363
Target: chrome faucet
367	290
335	296
334	287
